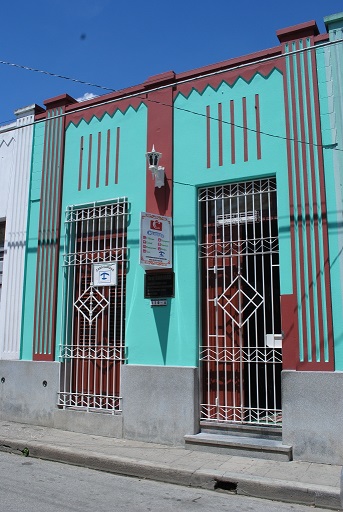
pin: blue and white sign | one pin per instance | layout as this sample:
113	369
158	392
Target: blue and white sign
105	274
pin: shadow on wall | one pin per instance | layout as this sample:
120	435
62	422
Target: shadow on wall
162	320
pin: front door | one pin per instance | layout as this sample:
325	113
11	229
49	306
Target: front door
241	349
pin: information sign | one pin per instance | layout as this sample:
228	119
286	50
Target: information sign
155	241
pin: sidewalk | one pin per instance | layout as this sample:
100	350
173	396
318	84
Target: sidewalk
297	482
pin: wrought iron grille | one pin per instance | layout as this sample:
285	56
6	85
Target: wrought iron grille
241	348
94	325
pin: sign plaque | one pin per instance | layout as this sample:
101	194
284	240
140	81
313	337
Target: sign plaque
158	285
155	241
105	274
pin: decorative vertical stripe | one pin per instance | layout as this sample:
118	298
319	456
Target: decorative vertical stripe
98	161
314	213
208	136
304	180
89	162
48	240
308	218
80	164
232	121
298	224
54	237
108	149
220	133
324	242
245	131
37	349
289	307
258	127
117	155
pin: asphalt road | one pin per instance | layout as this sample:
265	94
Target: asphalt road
34	485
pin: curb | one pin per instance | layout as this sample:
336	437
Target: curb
259	487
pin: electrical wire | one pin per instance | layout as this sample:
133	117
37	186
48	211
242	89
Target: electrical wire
55	75
138	95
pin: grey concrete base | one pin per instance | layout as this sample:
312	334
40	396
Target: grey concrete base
160	403
28	391
313	415
28	394
107	425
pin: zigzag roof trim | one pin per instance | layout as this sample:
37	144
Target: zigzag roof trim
3	141
202	90
88	118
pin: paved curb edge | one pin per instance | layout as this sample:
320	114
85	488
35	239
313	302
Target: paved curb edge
267	488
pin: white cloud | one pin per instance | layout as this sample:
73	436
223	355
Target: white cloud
87	96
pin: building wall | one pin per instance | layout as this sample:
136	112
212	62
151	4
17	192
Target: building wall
330	84
15	161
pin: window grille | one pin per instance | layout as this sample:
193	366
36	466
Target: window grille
94	326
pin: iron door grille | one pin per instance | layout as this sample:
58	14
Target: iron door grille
241	348
94	331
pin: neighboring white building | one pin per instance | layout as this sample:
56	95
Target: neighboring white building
15	161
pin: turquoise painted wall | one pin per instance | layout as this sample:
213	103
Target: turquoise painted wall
325	65
191	172
31	247
169	335
131	184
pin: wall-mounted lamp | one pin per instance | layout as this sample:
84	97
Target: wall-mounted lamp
157	171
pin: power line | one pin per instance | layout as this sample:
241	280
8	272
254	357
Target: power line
55	75
214	73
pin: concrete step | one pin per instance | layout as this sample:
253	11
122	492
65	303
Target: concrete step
243	446
242	430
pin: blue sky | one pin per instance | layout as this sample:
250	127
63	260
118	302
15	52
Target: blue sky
117	44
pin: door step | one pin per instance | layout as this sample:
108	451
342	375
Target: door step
239	445
242	430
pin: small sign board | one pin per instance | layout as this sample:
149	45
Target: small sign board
158	285
155	241
158	302
105	274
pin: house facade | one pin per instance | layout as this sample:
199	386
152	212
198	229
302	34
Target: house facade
157	306
15	163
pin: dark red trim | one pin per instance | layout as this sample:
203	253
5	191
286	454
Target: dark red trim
99	109
258	127
117	156
290	342
59	192
59	101
80	164
108	150
49	239
245	128
228	76
160	134
208	137
220	134
302	30
89	161
98	163
233	141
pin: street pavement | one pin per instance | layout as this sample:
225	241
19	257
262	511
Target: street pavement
295	481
